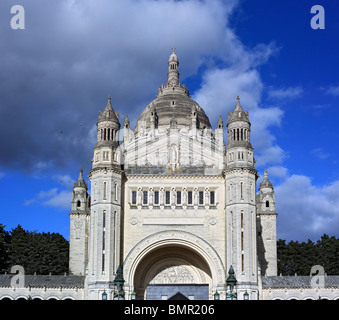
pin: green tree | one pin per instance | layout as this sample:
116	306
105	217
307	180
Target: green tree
18	253
42	253
328	251
5	240
298	258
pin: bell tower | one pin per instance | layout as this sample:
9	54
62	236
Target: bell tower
266	225
106	204
240	179
79	221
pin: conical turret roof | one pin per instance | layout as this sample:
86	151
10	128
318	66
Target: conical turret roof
80	182
265	183
238	114
108	114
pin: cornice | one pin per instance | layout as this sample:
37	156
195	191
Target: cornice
105	170
173	176
241	169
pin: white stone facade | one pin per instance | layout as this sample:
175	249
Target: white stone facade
173	199
172	204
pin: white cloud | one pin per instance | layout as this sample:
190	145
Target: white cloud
277	172
306	210
266	149
61	199
221	87
52	198
334	90
320	153
283	93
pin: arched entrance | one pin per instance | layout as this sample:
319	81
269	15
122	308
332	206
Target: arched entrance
173	261
170	269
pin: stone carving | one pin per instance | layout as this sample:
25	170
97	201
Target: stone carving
196	195
184	197
151	195
213	221
161	196
173	196
173	274
207	196
133	221
139	196
77	228
268	230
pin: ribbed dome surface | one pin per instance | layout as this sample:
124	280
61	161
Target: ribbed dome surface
175	108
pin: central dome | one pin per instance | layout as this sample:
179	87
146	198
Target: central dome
173	106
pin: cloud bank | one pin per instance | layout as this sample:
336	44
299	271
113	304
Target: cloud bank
306	211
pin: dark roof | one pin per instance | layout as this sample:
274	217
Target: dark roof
49	281
296	282
178	296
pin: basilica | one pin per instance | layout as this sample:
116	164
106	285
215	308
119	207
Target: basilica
176	209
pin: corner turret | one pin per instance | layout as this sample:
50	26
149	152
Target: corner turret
266	225
108	127
79	216
239	149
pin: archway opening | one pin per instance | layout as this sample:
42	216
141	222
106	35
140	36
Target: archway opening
172	269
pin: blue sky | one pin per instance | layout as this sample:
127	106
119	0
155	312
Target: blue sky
57	73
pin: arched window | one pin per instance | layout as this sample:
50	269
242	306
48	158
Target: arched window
145	197
95	191
267	204
78	204
116	191
105	190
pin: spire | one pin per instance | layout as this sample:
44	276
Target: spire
265	183
108	113
80	182
173	65
238	107
238	114
109	107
